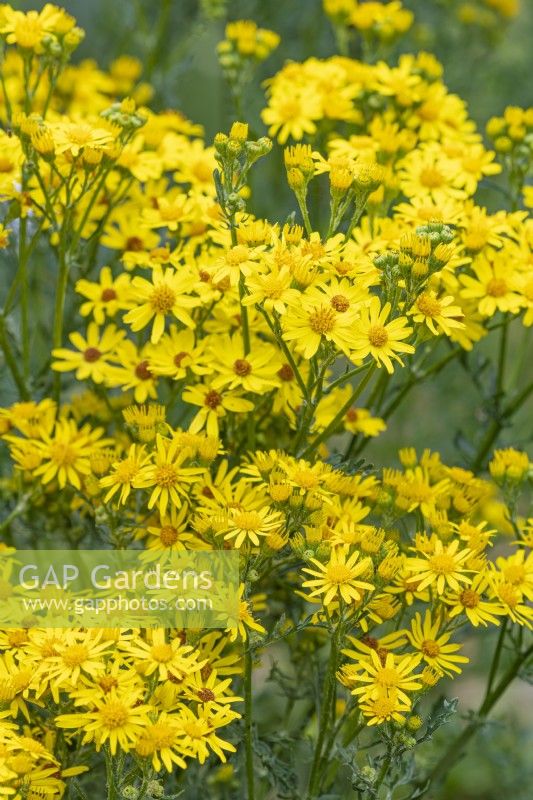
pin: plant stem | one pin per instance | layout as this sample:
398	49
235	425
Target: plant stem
12	362
249	751
496	658
112	793
24	298
61	290
454	751
497	424
305	214
339	416
325	707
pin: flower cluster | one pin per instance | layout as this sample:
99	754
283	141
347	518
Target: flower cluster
212	379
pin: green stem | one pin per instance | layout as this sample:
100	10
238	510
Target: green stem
339	416
497	424
12	362
496	658
249	750
325	707
359	208
305	214
24	297
287	353
343	378
456	748
112	791
382	774
61	291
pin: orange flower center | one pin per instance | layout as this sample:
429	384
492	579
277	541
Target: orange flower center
322	320
430	648
162	299
496	287
340	303
92	354
242	367
378	336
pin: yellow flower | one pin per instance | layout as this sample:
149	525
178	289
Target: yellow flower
314	320
437	312
244	526
166	294
199	728
385	706
356	420
133	371
339	578
373	336
176	352
254	372
271	289
291	111
123	473
442	567
118	719
28	30
93	355
73	137
214	405
167	475
469	601
168	660
172	533
104	298
65	453
394	676
246	619
436	652
493	287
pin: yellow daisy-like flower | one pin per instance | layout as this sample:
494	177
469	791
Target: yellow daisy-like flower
385	706
28	30
73	137
250	525
93	353
168	659
271	289
254	372
436	652
493	287
291	111
133	372
106	297
117	719
393	676
199	732
176	352
65	453
173	533
214	404
123	473
167	475
162	741
373	336
437	313
443	567
470	602
314	320
168	293
339	578
245	619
